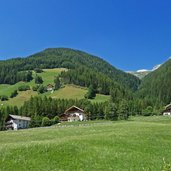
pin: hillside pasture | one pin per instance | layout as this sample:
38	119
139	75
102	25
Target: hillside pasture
132	145
76	92
19	99
48	75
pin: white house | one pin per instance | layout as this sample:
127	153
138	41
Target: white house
50	87
74	113
167	111
16	122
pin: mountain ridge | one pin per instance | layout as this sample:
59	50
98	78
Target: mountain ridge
157	84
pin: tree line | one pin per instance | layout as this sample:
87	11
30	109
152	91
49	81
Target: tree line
42	107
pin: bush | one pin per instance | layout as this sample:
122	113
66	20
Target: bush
41	89
36	121
35	88
24	88
91	94
38	70
55	120
46	121
14	94
148	111
4	98
38	79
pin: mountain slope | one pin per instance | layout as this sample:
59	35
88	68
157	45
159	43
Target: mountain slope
66	58
157	85
69	58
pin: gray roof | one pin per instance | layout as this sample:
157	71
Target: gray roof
20	117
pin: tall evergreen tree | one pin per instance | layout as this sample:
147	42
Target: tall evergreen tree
38	79
57	83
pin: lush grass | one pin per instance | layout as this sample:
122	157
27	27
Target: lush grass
68	92
75	92
49	74
129	145
19	99
100	98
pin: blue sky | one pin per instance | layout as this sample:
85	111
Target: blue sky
130	34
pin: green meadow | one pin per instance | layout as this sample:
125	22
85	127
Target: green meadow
134	145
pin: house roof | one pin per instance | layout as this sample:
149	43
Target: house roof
74	107
20	117
169	105
50	85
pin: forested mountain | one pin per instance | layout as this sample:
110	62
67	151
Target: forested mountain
156	86
66	58
128	95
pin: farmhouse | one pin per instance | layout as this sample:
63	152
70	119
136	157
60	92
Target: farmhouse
16	122
74	113
50	87
167	110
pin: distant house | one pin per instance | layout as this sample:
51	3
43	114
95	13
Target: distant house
74	113
16	122
50	87
167	111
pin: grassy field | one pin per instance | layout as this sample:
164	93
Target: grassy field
75	92
137	144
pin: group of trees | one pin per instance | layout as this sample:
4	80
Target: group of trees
37	108
45	121
156	86
97	82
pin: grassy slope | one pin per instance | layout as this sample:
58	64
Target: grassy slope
68	92
75	92
128	145
47	76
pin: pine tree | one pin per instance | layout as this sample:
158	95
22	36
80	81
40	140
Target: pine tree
91	93
57	83
123	111
38	79
111	112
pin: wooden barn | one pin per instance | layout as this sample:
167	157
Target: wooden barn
167	111
16	122
74	113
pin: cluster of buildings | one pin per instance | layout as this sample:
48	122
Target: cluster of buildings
16	122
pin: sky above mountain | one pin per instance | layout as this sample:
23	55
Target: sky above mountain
130	34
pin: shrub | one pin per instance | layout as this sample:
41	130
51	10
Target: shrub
38	70
24	88
41	89
38	79
14	94
148	111
55	120
35	88
46	121
4	98
36	121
